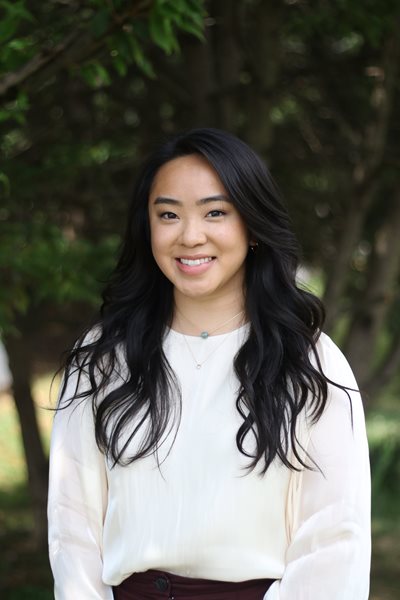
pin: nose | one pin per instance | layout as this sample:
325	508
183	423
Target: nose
193	233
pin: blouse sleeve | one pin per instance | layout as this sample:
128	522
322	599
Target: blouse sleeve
77	504
328	556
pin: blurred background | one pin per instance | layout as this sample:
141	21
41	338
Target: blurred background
87	88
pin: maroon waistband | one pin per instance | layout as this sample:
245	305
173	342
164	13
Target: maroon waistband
158	585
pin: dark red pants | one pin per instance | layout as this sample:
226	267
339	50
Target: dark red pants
158	585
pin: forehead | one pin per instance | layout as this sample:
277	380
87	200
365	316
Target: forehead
189	176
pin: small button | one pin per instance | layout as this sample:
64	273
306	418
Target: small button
161	584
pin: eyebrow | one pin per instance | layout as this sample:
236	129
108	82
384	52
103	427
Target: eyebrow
200	202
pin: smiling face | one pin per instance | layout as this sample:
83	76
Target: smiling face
198	238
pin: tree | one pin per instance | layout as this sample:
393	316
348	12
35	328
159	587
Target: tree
378	293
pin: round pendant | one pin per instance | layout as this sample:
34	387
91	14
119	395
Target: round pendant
204	335
198	366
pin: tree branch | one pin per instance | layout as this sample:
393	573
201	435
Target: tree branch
36	64
75	48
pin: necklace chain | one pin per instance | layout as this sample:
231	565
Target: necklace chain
205	334
200	364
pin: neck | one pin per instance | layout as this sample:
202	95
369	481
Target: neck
194	315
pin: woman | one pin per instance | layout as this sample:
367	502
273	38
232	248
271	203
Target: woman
210	441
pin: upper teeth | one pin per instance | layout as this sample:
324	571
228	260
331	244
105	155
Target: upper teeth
194	263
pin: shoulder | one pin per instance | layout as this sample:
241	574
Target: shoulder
344	401
89	336
334	364
341	426
75	380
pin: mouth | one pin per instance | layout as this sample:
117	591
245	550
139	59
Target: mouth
195	262
195	265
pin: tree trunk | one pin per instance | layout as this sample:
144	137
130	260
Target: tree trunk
346	244
36	461
228	60
264	45
389	368
199	81
371	155
362	337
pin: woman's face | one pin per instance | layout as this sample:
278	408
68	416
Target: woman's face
198	238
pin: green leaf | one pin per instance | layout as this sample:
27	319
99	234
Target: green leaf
161	32
95	74
186	16
5	183
100	22
193	29
120	66
8	27
18	11
5	115
140	59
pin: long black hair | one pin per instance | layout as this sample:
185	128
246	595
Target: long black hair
130	383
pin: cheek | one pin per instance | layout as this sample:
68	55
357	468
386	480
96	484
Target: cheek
236	238
160	242
155	241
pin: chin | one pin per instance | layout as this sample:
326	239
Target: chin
195	292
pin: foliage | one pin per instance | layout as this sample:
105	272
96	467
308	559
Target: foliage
81	105
40	264
91	45
34	34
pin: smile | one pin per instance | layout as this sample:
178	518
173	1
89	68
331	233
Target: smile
195	262
195	266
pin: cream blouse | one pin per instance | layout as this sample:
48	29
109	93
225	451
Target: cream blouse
201	514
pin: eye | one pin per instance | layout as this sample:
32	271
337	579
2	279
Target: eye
168	216
216	213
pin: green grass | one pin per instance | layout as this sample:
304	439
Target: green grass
12	465
25	573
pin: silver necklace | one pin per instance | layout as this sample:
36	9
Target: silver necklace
205	334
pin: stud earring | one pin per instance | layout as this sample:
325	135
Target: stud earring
254	247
